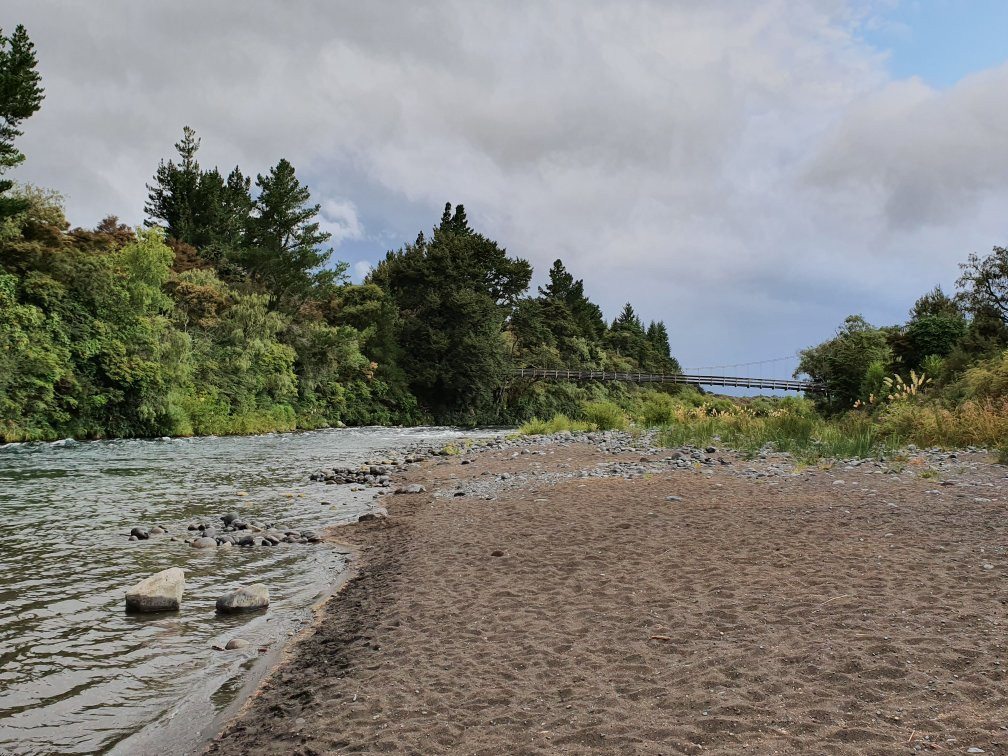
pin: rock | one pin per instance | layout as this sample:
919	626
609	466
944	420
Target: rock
497	553
203	543
161	592
245	598
156	530
230	517
141	534
673	498
411	488
133	538
236	643
378	513
246	540
711	450
310	536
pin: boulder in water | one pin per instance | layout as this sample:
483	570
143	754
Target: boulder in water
236	643
161	592
245	598
204	543
141	534
230	517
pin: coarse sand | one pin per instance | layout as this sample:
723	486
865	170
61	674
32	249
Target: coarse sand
594	615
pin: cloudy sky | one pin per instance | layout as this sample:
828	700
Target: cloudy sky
749	172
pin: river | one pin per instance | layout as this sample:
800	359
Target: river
80	675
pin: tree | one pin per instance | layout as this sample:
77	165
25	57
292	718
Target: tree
984	283
842	363
563	288
284	252
454	293
935	302
627	320
200	208
658	336
21	96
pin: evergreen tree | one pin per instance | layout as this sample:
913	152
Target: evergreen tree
20	96
284	253
454	293
627	320
200	208
657	336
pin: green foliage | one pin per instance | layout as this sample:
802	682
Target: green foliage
556	424
20	97
935	303
605	415
454	293
987	379
931	335
283	252
200	208
983	285
808	438
842	363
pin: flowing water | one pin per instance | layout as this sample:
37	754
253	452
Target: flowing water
78	674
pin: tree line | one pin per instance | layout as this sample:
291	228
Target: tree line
950	349
226	313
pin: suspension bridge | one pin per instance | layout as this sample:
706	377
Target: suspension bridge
689	377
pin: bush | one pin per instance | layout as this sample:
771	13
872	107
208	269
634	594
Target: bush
972	423
556	424
605	415
658	409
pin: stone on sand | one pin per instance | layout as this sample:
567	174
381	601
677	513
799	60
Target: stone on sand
411	488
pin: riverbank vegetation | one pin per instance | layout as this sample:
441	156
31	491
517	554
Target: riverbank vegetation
940	379
226	313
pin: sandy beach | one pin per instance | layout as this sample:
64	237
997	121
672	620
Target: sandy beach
671	608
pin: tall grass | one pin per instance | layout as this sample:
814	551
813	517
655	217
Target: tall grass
807	438
556	424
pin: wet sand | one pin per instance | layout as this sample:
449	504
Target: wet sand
797	615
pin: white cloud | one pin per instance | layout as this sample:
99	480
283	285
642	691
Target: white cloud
339	218
360	270
745	171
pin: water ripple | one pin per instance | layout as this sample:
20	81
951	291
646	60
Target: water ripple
78	674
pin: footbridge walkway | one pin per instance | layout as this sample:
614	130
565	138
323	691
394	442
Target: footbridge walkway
689	380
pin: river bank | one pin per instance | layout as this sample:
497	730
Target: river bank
567	594
78	674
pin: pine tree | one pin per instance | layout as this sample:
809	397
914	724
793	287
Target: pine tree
285	253
21	96
658	336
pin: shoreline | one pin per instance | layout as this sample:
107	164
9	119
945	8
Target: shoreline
296	708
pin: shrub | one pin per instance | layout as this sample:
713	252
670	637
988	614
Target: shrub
605	415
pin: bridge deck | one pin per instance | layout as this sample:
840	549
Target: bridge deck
691	380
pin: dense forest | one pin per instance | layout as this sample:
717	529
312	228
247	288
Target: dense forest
227	314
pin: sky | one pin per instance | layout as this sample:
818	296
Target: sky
749	173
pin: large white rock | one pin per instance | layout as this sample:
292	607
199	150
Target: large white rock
161	592
245	598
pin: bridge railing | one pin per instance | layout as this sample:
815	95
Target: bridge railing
676	378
